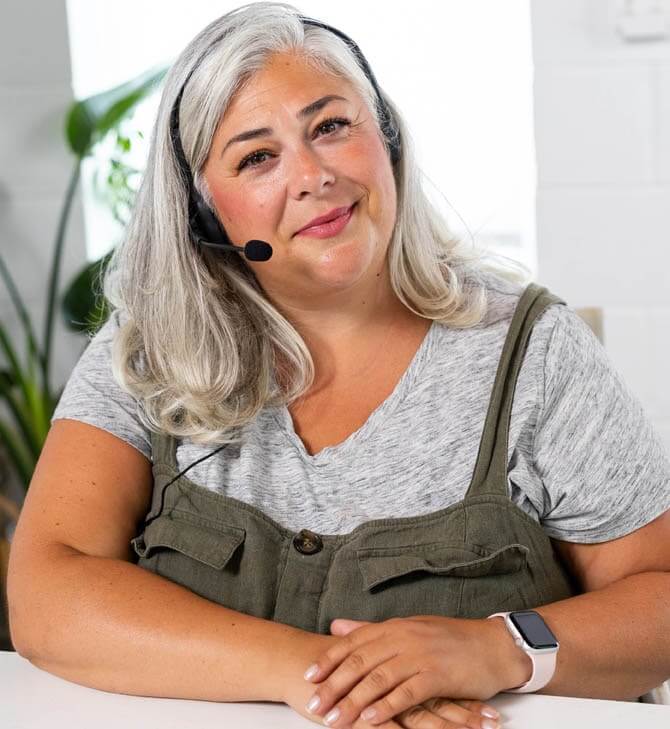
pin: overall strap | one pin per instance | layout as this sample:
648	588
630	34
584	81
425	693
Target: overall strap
490	473
163	449
163	453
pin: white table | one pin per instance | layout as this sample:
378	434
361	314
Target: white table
31	698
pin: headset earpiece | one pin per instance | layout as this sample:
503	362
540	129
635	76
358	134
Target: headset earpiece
204	222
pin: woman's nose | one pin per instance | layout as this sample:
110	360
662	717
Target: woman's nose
308	172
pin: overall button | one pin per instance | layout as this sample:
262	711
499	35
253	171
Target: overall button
307	542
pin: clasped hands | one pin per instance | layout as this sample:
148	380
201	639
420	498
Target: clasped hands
401	668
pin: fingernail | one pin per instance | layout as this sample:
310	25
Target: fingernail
311	672
488	711
368	713
313	704
490	724
332	716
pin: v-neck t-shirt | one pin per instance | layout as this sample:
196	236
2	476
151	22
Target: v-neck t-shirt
584	459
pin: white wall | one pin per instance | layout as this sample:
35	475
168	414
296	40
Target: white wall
35	91
602	111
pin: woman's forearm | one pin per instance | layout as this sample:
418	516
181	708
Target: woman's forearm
614	642
112	625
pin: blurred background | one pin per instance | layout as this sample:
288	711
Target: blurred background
543	129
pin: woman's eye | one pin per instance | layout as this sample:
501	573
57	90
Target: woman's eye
257	158
338	122
252	160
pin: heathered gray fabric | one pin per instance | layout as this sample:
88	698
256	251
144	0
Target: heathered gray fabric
584	459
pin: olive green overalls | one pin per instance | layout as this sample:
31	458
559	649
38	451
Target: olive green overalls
471	559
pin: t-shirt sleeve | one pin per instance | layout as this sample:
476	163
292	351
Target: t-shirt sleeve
93	396
604	468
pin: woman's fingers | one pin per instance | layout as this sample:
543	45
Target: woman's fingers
479	707
440	713
365	679
421	717
444	714
390	724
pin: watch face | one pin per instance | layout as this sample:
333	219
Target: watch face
533	629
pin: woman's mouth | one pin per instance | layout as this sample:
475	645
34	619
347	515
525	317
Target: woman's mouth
331	228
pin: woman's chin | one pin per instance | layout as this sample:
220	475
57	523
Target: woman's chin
341	263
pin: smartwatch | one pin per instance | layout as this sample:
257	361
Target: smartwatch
533	636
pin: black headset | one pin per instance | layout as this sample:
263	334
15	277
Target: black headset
204	225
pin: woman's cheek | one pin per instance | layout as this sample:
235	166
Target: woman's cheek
260	204
236	211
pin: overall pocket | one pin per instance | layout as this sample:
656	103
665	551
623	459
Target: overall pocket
235	565
429	579
194	555
380	565
212	547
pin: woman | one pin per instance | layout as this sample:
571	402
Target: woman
386	439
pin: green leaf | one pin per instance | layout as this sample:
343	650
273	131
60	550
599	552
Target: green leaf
80	127
17	454
22	418
38	411
89	120
84	307
7	379
24	318
15	368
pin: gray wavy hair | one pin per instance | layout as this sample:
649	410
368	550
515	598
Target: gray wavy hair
200	347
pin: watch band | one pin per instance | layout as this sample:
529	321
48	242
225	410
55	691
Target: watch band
544	661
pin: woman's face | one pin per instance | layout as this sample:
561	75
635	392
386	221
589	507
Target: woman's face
270	186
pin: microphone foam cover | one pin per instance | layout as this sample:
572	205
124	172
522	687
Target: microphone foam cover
258	250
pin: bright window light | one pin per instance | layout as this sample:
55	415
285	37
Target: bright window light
459	70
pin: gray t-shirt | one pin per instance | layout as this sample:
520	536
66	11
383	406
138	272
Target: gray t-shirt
584	459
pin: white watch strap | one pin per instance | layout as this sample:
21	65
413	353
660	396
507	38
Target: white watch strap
544	664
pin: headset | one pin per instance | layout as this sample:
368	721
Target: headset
205	227
203	222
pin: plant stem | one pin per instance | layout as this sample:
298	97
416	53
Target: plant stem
21	310
10	508
55	270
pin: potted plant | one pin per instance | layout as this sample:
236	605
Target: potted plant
25	387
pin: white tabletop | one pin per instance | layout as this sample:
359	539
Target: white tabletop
31	698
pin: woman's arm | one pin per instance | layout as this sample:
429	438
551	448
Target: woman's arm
615	638
79	608
114	626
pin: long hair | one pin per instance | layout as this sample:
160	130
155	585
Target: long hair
201	347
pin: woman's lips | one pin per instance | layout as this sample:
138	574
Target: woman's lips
329	229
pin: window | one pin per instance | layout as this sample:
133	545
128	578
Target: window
460	71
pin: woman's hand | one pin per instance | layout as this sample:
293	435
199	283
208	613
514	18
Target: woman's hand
399	663
435	713
296	691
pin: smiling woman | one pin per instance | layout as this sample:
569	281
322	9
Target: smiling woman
377	424
279	130
303	184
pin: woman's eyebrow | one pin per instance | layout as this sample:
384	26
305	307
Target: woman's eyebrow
302	114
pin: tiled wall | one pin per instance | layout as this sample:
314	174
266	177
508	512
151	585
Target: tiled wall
35	92
35	167
602	112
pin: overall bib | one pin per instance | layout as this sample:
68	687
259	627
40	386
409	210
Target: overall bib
476	557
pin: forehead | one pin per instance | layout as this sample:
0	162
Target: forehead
286	80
